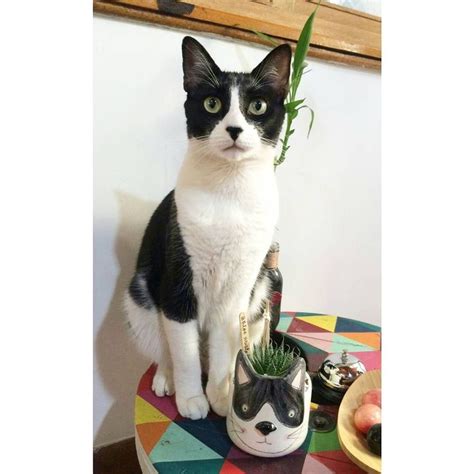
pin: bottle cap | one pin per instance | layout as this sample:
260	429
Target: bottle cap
271	260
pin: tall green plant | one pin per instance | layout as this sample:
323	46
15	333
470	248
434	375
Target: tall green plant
293	105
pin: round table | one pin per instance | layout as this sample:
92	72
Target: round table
170	444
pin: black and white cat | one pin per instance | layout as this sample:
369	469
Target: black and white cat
200	262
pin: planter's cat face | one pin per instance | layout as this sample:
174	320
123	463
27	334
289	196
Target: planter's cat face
267	414
234	116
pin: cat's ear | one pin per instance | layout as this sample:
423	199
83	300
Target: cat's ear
297	375
242	372
274	70
198	66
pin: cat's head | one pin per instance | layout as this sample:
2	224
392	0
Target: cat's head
267	414
233	116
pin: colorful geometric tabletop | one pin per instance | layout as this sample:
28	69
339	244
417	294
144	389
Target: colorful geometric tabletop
173	444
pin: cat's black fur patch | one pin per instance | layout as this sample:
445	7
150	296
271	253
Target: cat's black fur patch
164	265
278	392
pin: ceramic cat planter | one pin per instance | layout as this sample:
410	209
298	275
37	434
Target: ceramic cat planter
268	416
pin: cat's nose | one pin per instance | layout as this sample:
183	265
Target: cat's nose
265	427
234	132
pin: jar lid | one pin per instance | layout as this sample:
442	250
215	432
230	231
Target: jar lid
338	371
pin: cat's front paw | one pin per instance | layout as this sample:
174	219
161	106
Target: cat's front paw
194	407
163	383
218	398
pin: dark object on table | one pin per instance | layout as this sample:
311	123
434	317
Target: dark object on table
334	377
374	439
321	421
276	289
276	285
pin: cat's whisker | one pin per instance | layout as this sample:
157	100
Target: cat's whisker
235	424
296	433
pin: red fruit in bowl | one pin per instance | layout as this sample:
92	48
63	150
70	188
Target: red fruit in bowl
373	396
366	416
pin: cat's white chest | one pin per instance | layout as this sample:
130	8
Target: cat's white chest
227	231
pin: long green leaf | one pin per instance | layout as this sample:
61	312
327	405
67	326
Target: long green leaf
312	117
292	105
265	37
303	45
299	67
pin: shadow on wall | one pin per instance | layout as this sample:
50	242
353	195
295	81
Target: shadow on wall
119	364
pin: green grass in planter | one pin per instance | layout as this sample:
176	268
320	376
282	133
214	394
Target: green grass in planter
272	360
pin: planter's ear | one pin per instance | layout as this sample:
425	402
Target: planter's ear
274	70
198	66
297	375
242	372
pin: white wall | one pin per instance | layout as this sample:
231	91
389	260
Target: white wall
329	228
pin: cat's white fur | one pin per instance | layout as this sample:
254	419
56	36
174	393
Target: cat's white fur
227	208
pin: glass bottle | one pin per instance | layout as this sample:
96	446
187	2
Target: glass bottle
276	285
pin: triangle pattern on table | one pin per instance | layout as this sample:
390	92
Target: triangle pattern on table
147	378
326	321
340	343
302	313
177	444
336	465
309	344
350	325
300	325
371	339
212	432
331	342
150	433
286	464
324	442
284	323
321	341
205	466
229	468
371	360
147	413
237	453
313	466
166	404
334	455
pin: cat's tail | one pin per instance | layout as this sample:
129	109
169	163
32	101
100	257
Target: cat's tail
138	291
143	319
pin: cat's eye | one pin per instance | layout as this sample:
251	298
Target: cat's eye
291	413
257	107
245	408
212	104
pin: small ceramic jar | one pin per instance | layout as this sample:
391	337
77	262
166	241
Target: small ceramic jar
268	416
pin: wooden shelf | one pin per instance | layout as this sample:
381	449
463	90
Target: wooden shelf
339	34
